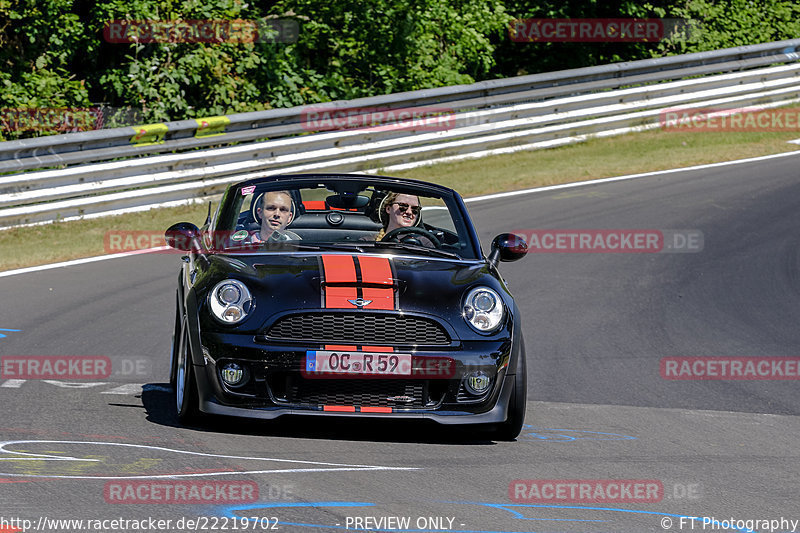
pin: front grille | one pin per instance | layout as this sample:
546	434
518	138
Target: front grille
372	393
359	328
408	394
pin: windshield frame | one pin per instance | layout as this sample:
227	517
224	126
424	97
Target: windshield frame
229	209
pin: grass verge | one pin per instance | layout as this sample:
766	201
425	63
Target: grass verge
596	158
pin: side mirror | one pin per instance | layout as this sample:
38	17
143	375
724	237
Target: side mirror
507	247
183	236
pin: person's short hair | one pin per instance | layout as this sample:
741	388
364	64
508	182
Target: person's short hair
287	193
258	203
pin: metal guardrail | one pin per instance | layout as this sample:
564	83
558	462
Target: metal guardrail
488	117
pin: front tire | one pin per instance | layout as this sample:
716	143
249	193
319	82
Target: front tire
176	338
512	427
186	399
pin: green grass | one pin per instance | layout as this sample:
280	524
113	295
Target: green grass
596	158
600	158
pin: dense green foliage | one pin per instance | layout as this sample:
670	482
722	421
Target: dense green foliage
53	52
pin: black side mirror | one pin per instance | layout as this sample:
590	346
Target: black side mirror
508	247
183	236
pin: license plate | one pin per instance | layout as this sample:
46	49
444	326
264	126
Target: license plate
343	362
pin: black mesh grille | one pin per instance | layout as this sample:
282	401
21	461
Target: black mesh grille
359	328
408	394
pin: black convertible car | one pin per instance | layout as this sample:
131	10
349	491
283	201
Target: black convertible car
346	295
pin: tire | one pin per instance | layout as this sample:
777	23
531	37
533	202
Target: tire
512	427
186	399
176	335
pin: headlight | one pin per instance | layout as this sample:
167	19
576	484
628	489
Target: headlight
230	301
483	309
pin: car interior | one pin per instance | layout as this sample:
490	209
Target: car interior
347	218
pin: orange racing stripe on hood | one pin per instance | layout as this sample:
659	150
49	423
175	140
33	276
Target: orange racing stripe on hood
348	278
376	273
338	269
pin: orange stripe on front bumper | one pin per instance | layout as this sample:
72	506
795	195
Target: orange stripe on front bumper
376	409
339	408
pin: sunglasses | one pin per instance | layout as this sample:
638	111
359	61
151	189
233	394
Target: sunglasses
415	209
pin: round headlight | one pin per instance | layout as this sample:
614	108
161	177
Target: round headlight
483	309
228	294
484	301
230	301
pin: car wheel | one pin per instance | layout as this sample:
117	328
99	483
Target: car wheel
176	335
186	401
512	427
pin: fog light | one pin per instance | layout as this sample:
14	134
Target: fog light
232	374
478	382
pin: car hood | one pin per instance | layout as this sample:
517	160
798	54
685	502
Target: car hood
283	283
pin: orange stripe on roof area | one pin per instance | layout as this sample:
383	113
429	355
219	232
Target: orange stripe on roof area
337	297
381	298
339	408
376	409
315	205
376	270
339	269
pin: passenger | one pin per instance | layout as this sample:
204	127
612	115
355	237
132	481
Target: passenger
401	211
276	212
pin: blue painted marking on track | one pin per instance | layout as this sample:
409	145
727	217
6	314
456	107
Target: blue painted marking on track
230	512
3	329
230	508
568	435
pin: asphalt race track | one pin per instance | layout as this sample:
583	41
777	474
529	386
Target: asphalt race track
597	326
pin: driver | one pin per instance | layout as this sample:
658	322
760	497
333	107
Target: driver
402	211
275	212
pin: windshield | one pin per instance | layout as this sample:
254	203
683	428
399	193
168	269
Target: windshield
341	215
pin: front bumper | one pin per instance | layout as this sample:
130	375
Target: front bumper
276	385
497	414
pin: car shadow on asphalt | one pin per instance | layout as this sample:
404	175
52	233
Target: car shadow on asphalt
159	400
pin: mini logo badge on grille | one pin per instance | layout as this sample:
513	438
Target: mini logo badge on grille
400	399
360	302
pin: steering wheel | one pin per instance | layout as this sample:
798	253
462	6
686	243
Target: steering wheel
395	235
